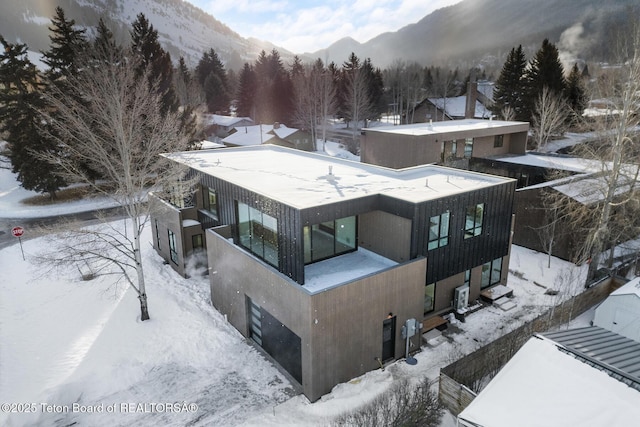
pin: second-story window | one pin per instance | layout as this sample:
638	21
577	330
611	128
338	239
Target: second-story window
258	232
498	141
438	231
473	221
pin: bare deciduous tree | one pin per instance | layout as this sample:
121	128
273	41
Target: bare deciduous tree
113	123
357	100
549	117
404	81
315	99
610	197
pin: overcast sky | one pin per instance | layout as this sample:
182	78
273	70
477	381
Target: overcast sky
310	25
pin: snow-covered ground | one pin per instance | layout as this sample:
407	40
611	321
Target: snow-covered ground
66	341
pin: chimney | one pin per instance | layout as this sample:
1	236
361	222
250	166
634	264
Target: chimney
472	96
276	125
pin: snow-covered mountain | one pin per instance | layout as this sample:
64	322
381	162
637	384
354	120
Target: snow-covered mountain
183	29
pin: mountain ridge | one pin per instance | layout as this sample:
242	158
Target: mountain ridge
460	35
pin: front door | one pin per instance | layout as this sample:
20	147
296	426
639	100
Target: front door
388	338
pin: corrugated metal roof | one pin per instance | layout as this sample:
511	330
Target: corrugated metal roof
617	355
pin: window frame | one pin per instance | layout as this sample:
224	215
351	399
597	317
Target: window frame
432	308
493	268
173	246
471	216
439	237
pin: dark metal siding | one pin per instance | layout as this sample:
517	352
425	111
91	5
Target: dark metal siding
462	254
289	229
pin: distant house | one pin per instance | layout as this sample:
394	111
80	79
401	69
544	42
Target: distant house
620	312
453	108
587	377
474	105
452	143
320	260
222	126
276	134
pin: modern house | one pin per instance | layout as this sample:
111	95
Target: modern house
320	261
580	377
453	143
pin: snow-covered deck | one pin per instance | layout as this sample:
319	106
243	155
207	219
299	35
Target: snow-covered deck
332	272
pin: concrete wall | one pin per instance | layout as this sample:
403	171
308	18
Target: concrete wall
340	328
167	217
347	337
385	234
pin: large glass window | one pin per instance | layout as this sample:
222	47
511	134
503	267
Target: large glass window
473	221
429	297
491	272
328	239
258	232
438	231
173	251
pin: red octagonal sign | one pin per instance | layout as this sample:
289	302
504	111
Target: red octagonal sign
17	231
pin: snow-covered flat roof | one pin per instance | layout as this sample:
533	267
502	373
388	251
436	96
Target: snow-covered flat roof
302	179
566	163
449	126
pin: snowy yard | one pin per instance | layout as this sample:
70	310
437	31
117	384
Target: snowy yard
65	340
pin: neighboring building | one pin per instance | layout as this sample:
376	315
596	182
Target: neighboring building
535	225
620	312
276	134
475	104
321	260
580	377
450	108
215	125
452	142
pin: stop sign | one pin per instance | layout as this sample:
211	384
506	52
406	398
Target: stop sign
17	231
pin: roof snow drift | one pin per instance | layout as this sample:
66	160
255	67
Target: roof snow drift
302	179
544	386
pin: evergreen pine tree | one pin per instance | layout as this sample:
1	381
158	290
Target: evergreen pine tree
576	93
246	92
67	44
212	77
545	70
104	45
509	89
20	103
145	45
375	83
